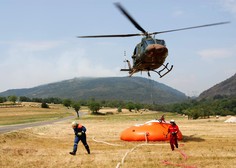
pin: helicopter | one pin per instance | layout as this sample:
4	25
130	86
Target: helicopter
150	54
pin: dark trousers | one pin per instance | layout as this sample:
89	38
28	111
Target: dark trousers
173	142
83	139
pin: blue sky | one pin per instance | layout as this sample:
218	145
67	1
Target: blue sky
38	43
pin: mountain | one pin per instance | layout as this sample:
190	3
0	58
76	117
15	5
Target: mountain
225	88
135	89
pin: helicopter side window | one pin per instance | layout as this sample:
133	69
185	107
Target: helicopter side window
142	47
135	50
162	42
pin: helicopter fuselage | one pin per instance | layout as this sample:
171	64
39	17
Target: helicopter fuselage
148	55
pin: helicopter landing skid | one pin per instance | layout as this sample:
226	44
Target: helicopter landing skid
129	65
164	68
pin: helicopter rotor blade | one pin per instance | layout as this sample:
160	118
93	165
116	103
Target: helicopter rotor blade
121	8
115	35
194	27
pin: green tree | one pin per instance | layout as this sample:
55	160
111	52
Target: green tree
54	100
67	102
39	100
138	106
3	99
24	99
44	105
195	114
119	109
12	98
130	106
94	107
192	113
76	106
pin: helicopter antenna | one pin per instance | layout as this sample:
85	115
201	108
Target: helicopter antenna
125	59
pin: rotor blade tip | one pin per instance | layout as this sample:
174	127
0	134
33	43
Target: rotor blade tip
117	3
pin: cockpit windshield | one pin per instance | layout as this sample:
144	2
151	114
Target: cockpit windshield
162	42
154	41
150	41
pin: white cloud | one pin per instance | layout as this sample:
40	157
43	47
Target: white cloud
29	64
38	45
219	53
229	5
77	63
32	46
178	13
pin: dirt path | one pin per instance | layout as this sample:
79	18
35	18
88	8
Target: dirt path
4	129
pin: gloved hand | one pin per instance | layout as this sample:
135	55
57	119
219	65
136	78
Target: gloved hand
83	132
79	134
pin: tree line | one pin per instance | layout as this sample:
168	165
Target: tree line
204	108
193	108
92	104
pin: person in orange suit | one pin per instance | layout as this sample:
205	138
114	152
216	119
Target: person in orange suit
173	131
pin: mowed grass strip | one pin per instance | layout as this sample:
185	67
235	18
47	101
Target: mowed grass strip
34	113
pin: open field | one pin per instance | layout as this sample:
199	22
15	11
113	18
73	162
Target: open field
207	143
32	112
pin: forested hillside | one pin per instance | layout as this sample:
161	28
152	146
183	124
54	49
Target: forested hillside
135	89
225	88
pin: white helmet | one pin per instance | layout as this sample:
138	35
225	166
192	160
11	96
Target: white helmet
172	121
74	124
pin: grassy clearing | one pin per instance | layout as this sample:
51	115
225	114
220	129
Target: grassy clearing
32	112
207	143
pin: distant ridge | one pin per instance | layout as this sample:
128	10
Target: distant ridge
136	89
225	88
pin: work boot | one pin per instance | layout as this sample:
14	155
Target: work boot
176	145
72	153
172	147
87	148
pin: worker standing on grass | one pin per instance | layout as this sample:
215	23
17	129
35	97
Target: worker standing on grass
80	134
162	119
173	130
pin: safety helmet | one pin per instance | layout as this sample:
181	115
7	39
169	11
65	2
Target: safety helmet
74	124
172	121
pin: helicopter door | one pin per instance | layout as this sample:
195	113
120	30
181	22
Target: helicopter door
137	52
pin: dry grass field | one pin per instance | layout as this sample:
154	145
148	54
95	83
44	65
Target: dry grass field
207	143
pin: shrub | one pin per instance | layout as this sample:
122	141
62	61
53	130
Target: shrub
44	105
119	109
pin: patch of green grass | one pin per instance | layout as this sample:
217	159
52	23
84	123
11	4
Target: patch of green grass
132	117
30	118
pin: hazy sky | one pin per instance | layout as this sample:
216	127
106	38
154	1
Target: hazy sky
38	43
